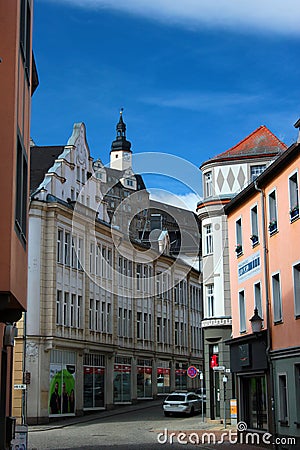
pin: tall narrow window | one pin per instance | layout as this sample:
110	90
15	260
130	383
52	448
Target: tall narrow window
91	315
242	310
66	321
294	196
277	300
273	225
283	402
208	239
73	253
21	192
176	333
67	248
238	236
78	315
59	308
158	329
139	325
296	276
254	226
25	32
257	299
60	246
72	309
80	253
208	184
210	300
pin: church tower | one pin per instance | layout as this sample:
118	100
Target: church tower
121	154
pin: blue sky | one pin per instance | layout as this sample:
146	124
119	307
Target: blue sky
194	76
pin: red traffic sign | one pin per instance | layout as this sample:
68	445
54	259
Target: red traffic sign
192	372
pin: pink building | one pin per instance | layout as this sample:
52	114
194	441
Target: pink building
264	249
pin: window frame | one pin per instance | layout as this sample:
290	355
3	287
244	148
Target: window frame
279	298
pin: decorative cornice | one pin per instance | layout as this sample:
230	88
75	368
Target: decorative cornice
221	322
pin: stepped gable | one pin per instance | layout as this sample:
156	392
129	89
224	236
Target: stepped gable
261	142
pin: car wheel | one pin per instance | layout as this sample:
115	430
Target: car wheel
167	414
192	411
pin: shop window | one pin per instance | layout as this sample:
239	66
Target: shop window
62	383
94	381
277	300
283	399
254	402
144	378
122	380
296	275
181	376
163	377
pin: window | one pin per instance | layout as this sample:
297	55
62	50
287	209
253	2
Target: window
210	300
294	196
80	253
60	246
208	184
208	239
257	299
67	248
66	310
238	231
139	325
277	300
21	192
283	404
91	315
97	316
254	226
59	308
176	333
296	277
25	31
256	171
72	307
78	315
242	309
73	253
272	213
129	182
158	330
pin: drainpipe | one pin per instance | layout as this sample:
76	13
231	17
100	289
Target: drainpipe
268	319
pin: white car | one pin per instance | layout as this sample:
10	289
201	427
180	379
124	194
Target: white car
182	402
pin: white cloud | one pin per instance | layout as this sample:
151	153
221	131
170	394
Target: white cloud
280	16
186	201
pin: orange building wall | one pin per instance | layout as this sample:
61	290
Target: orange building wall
247	285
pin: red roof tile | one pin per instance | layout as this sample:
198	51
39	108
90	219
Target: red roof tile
261	142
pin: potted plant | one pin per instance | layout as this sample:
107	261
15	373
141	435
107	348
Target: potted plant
238	249
294	212
254	239
272	225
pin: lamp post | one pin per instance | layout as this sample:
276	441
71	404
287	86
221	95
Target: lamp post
202	399
256	322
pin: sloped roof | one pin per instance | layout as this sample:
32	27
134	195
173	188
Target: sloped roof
41	159
261	142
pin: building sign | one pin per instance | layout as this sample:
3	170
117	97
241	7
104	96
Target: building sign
249	267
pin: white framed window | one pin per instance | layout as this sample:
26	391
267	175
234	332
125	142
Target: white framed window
66	320
277	299
273	219
129	182
60	246
254	226
296	278
242	311
210	300
78	313
139	325
80	254
209	248
294	196
258	299
72	310
176	333
91	315
59	308
256	171
97	316
67	248
239	237
208	184
158	329
108	318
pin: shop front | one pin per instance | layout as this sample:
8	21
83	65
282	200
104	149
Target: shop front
144	378
181	376
163	377
62	392
93	381
122	379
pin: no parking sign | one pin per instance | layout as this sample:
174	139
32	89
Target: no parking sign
192	372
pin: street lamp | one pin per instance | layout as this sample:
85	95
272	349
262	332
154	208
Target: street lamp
256	322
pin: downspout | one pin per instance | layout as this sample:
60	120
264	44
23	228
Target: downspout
268	319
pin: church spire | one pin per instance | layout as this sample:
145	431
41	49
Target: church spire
121	143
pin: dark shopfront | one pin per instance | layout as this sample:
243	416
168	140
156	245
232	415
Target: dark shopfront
249	365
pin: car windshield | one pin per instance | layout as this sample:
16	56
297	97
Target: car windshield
176	398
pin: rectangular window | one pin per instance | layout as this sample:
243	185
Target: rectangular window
254	226
238	236
72	309
208	184
294	196
78	315
66	321
25	34
277	300
208	239
146	336
296	277
80	254
97	316
59	308
91	315
210	300
176	333
139	325
73	254
273	225
257	299
60	246
242	310
120	320
158	330
283	402
67	248
256	171
92	258
21	192
129	182
108	318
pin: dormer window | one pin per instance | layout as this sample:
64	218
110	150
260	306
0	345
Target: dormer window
129	182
